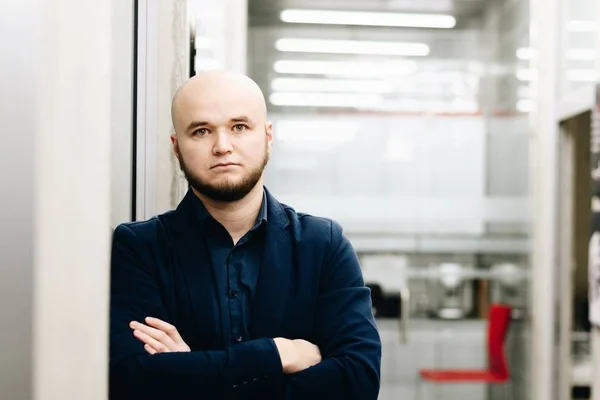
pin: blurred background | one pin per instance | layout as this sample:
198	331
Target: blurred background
455	141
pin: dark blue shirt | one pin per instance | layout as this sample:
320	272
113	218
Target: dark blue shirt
236	269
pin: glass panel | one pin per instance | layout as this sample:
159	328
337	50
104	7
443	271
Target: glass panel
421	152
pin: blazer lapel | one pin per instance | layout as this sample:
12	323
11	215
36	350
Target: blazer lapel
193	259
275	273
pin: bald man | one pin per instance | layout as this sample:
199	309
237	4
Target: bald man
234	295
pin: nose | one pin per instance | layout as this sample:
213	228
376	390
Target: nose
222	144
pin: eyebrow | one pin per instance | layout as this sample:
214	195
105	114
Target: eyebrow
242	118
198	124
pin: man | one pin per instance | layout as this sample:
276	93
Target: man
233	294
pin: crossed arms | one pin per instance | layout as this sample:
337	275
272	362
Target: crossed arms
343	363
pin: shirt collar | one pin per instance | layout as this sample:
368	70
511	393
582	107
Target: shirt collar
261	219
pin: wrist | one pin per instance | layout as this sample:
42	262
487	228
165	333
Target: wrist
285	347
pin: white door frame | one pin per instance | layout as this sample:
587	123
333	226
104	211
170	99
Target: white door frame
146	132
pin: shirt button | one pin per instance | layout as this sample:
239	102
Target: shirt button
234	294
239	339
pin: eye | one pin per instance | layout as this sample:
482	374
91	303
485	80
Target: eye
201	132
239	127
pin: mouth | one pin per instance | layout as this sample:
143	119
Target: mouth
224	165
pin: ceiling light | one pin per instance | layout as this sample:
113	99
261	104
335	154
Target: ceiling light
582	26
348	69
316	131
325	99
368	18
525	53
351	47
330	85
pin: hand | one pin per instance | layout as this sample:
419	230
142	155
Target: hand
297	355
159	337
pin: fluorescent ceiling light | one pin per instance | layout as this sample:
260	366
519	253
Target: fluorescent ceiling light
325	99
434	106
316	131
582	26
525	53
368	18
351	47
348	69
330	85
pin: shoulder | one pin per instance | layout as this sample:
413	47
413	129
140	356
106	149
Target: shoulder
314	229
149	230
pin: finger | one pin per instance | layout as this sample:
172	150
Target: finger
167	328
157	346
150	349
156	334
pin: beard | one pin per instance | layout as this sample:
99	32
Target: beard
228	191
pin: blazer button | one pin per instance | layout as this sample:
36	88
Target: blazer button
254	380
239	339
235	386
245	383
234	294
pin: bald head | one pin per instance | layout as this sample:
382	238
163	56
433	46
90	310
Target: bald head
213	91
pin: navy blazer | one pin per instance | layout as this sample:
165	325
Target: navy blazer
310	287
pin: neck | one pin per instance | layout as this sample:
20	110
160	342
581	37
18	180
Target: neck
237	217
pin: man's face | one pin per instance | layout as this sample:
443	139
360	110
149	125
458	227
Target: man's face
223	141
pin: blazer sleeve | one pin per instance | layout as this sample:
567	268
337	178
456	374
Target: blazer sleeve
134	374
345	333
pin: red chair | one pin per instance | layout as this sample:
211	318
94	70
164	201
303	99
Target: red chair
497	372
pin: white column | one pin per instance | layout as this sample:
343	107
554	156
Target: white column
545	34
19	37
72	201
55	229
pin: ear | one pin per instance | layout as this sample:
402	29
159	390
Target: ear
269	132
175	145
